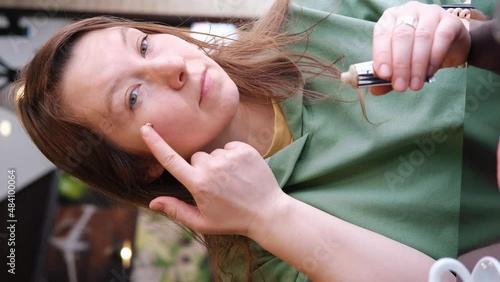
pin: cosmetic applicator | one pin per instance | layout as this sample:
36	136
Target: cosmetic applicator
361	75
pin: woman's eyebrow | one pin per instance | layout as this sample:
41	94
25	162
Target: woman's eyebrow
110	97
111	93
123	32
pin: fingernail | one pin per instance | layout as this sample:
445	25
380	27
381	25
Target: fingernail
156	206
415	83
385	71
430	70
399	84
145	129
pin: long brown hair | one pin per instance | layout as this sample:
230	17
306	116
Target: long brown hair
258	62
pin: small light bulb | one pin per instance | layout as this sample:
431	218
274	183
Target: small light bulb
5	128
126	253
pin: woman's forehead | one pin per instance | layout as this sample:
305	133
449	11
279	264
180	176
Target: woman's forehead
95	61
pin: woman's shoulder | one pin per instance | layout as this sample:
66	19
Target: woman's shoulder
361	9
369	10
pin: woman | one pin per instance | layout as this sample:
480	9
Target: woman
357	194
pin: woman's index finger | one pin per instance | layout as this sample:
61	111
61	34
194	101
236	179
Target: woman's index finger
168	157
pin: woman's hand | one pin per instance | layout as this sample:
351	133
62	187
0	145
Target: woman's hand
412	41
233	187
236	193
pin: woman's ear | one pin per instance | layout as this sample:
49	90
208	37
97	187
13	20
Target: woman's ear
154	171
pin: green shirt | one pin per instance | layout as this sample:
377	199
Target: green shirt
400	177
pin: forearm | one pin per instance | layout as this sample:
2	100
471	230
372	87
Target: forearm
326	248
485	43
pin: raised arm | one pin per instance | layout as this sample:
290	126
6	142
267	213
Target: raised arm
236	193
485	36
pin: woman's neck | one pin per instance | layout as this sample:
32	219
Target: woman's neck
253	124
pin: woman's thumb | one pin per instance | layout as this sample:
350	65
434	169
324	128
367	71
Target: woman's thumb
178	210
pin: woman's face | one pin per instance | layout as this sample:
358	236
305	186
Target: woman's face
127	78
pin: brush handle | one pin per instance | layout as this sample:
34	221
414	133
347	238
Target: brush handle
361	76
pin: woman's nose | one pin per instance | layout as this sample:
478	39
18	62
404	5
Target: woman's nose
172	71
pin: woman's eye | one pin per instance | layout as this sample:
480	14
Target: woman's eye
132	100
144	46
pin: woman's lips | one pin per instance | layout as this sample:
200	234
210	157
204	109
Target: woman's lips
206	85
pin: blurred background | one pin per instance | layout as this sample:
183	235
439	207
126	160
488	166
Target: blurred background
64	231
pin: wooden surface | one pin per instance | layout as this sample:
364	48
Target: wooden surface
183	8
